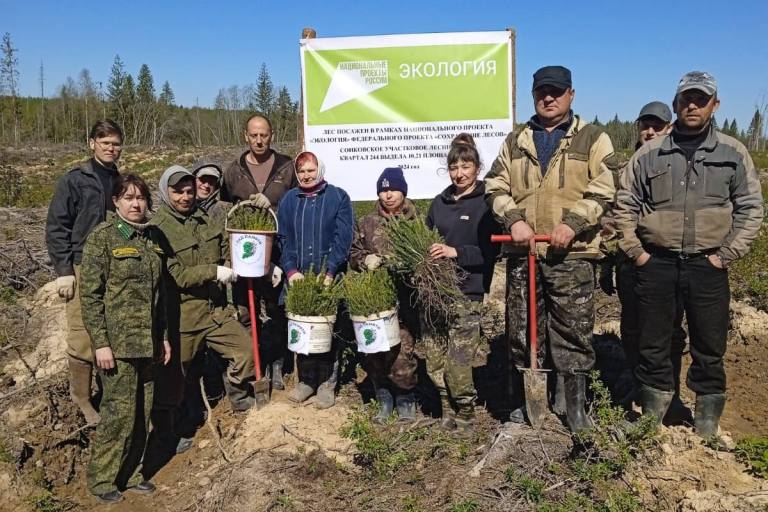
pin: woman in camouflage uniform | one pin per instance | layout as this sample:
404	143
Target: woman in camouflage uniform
393	372
121	292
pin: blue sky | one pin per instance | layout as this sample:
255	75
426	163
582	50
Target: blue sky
622	54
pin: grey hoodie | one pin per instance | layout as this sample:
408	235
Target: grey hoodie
163	185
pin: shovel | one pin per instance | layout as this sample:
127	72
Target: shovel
261	384
534	378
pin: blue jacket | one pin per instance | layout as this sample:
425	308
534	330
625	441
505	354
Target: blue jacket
315	229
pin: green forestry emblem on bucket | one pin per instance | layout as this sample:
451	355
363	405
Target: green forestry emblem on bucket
251	235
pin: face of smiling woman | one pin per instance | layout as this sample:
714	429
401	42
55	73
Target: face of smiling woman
307	174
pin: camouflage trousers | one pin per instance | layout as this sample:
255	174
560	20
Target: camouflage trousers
121	437
396	367
565	306
452	350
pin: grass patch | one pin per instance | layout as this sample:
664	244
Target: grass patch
749	275
753	452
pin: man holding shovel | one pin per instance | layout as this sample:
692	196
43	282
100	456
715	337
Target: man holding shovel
553	177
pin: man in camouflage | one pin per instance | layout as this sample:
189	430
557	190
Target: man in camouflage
555	176
197	249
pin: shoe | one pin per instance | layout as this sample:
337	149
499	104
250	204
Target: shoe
80	389
386	406
517	416
326	396
277	374
110	497
243	404
575	387
406	407
709	408
678	413
143	487
301	392
184	444
655	401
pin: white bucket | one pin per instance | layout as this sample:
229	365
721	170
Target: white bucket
310	334
251	252
377	333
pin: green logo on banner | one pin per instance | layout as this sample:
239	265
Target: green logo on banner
407	84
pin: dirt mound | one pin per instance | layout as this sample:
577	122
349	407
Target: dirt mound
748	324
688	472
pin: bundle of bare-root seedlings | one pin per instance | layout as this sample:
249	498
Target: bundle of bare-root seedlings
435	281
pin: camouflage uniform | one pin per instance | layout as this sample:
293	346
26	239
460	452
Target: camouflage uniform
451	349
122	292
198	308
398	366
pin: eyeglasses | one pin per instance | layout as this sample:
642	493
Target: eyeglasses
108	145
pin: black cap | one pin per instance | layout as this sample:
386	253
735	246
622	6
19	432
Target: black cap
556	76
656	109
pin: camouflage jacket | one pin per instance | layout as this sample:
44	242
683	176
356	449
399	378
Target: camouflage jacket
122	289
194	246
369	234
217	210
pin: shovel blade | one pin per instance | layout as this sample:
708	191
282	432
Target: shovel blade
260	393
536	404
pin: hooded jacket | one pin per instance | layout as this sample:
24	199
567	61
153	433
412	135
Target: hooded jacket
194	246
467	224
239	184
315	228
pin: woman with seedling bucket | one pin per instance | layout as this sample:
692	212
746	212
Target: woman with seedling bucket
392	372
315	225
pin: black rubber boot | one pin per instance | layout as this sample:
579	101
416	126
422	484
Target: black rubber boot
678	413
575	387
655	401
406	406
386	405
709	408
559	404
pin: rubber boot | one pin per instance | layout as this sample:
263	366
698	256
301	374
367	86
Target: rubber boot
80	389
517	397
406	406
678	413
277	374
326	392
655	401
465	417
709	408
386	405
448	419
560	401
239	397
575	388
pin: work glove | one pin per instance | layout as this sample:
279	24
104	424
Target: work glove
277	275
225	275
260	201
295	277
65	287
328	280
372	262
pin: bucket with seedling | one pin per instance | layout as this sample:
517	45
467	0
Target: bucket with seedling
372	302
311	306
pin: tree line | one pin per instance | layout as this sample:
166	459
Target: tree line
153	118
148	116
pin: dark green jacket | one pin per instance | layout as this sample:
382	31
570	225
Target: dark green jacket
194	245
121	289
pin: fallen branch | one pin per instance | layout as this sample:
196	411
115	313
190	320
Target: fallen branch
209	422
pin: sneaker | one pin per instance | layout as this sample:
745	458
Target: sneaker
301	392
143	487
110	497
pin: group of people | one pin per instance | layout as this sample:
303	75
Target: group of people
149	302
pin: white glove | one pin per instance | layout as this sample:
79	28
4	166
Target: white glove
372	262
65	287
295	277
225	275
260	201
328	281
277	275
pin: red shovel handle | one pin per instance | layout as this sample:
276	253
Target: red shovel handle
533	320
254	329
